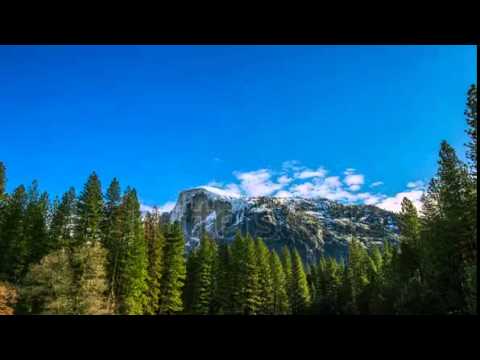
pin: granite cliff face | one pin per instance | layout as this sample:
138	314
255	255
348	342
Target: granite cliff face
315	227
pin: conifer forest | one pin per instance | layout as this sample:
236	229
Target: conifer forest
93	252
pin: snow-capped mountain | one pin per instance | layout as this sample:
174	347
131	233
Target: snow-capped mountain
314	227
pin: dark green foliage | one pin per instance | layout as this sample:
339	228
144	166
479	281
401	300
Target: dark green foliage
35	229
133	262
328	282
14	249
287	270
174	275
472	123
300	294
155	243
202	269
448	232
61	228
90	212
280	297
224	285
3	180
265	279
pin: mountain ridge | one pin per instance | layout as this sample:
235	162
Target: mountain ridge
315	227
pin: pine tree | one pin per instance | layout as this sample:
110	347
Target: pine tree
90	285
3	181
250	281
35	225
14	250
471	255
62	224
68	282
222	300
155	243
174	271
133	263
245	276
265	279
203	286
280	297
300	300
112	229
328	284
472	120
447	232
191	278
48	287
356	278
287	270
410	246
90	212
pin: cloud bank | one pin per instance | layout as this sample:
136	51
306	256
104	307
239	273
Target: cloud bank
295	180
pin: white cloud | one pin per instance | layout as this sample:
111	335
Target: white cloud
354	181
284	179
283	194
257	183
376	183
415	184
370	199
292	165
167	207
394	203
306	174
297	180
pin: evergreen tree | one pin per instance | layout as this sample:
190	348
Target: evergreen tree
472	120
113	223
287	270
3	181
90	284
51	287
14	250
245	276
35	225
90	212
356	278
203	286
410	249
250	280
328	285
222	300
62	224
48	287
265	278
133	263
155	243
280	297
300	300
447	232
174	271
191	278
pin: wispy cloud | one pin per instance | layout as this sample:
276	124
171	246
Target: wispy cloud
354	181
393	203
167	207
258	183
306	174
416	184
376	183
300	181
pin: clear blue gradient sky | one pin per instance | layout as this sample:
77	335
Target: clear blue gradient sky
167	118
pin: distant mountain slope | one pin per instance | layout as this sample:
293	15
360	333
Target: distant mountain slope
314	227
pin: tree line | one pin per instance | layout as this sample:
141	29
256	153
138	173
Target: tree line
94	253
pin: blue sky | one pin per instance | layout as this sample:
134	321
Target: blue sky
255	120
